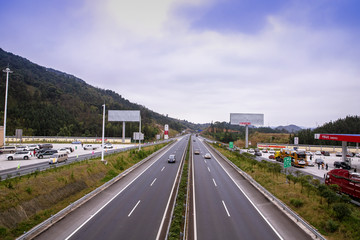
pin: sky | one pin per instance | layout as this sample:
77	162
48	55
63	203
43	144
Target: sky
295	61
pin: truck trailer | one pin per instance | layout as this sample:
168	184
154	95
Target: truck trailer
349	182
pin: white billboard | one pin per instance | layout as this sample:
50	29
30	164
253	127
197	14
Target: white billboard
246	119
136	136
124	115
166	127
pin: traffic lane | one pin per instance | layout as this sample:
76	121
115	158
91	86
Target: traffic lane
124	216
232	216
286	227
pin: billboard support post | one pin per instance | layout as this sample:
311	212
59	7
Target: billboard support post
246	119
123	133
103	135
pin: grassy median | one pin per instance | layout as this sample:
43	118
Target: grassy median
28	200
317	203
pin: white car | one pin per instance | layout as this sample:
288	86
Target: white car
357	155
309	153
65	150
207	155
310	163
89	147
19	155
271	151
108	145
251	150
317	153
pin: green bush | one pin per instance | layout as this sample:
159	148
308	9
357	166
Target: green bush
331	226
297	202
341	210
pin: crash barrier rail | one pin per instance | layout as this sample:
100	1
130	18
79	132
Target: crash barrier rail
24	170
61	214
186	222
270	195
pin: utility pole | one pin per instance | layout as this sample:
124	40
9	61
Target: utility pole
7	70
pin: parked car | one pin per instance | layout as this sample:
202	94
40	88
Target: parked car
319	161
89	147
251	150
338	154
350	154
271	156
108	145
19	155
47	153
64	150
326	153
264	150
310	163
207	156
58	157
76	142
8	149
343	165
258	154
197	151
309	153
32	147
46	145
171	158
357	155
317	153
272	151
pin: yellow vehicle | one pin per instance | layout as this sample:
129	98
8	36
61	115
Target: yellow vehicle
298	158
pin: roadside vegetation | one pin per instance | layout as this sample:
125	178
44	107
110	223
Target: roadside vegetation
318	204
178	220
28	200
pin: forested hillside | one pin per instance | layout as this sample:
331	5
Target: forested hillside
46	102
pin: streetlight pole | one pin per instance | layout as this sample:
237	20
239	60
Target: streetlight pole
7	70
103	135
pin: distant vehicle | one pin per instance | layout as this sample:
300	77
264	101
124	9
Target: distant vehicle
258	154
207	156
8	149
357	155
251	150
326	153
309	153
89	147
32	147
343	165
46	145
65	150
345	180
47	153
19	155
271	156
70	148
171	158
197	151
350	154
310	163
58	157
108	145
338	154
272	151
317	153
319	161
76	142
264	150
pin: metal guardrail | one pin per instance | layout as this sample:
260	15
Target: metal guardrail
271	196
186	222
61	214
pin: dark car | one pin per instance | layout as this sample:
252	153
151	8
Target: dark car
46	146
47	153
258	154
326	153
343	165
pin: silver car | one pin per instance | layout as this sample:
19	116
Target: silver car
19	155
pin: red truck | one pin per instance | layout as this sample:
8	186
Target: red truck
349	182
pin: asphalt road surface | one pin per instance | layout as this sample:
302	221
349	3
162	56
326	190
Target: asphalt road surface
135	210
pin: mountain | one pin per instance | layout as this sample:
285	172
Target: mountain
289	128
46	102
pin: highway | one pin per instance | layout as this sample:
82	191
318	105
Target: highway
222	209
134	208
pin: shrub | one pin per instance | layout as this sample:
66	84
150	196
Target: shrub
28	190
297	202
331	226
341	210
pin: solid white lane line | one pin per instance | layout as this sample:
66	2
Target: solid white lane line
209	169
226	209
162	169
134	208
214	182
152	182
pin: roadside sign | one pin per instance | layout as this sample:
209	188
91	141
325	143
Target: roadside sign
231	144
287	162
296	140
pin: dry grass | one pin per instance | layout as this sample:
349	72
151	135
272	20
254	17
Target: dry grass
28	200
